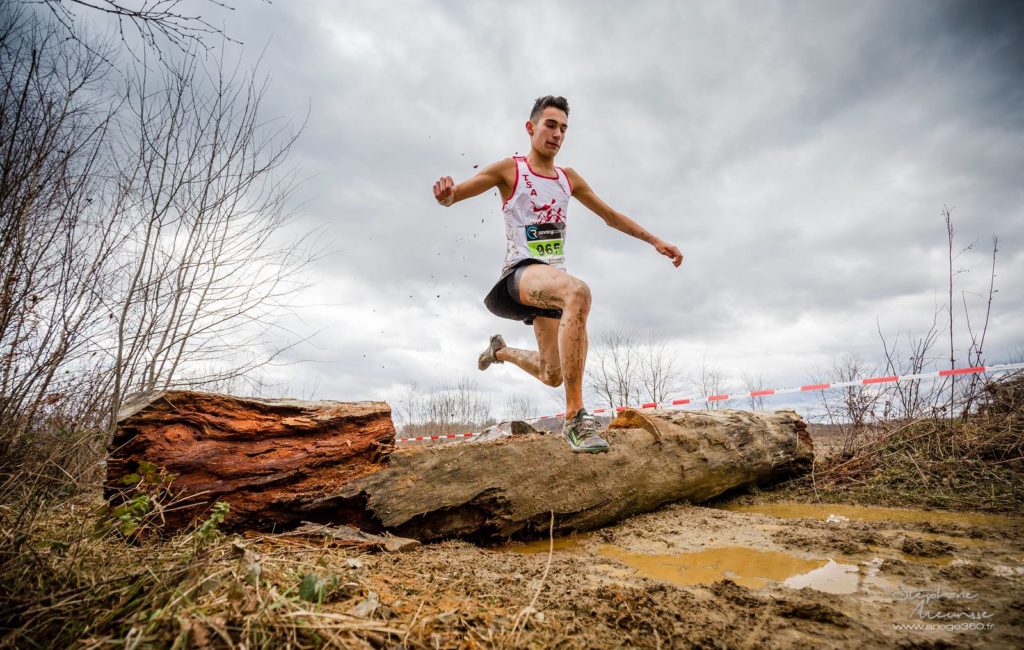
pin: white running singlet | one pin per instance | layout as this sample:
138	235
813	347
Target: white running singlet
535	216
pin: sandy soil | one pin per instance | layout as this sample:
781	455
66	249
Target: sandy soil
689	576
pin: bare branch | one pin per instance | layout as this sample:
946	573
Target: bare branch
157	23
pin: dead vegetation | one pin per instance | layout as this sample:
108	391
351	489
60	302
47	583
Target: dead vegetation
76	575
974	462
66	586
69	584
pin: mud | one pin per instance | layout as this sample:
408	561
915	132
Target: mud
735	577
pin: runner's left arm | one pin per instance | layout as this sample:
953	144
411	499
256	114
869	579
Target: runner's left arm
617	220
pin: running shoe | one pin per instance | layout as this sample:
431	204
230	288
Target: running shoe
487	357
581	432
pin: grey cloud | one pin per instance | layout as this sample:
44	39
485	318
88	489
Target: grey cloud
798	153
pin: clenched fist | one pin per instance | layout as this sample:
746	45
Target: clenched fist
444	191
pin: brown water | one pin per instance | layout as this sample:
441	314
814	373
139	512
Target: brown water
749	567
756	568
745	566
869	513
570	543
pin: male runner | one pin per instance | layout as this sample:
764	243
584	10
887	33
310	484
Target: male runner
534	286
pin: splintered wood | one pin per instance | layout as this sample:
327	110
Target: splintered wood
265	458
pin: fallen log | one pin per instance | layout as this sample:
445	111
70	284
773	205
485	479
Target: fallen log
280	462
261	456
511	487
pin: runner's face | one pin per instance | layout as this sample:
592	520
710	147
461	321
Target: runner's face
547	134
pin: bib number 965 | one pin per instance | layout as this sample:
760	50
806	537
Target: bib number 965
546	249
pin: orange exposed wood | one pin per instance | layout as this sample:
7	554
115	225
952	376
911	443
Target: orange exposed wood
266	458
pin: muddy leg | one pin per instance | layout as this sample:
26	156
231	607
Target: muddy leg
544	365
550	288
573	344
528	360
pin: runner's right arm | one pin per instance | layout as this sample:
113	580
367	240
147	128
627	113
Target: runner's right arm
500	174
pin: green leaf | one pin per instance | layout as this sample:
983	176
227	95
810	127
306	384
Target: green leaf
313	588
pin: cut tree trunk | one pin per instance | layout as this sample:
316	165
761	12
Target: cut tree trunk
280	462
261	456
511	487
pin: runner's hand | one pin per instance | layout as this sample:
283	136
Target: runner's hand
670	251
444	191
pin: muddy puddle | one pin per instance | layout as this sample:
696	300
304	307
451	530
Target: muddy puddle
749	567
772	576
755	567
841	512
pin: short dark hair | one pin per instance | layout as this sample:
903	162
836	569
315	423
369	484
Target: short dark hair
560	103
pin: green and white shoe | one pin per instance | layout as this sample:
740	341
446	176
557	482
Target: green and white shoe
487	357
581	432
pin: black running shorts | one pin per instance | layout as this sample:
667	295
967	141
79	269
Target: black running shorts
503	299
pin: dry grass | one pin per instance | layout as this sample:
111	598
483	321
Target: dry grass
68	585
65	585
71	578
971	463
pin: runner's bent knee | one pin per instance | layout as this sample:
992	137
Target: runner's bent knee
552	376
579	293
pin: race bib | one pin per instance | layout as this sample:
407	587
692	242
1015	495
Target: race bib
546	240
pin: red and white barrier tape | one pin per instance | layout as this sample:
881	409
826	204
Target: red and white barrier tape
676	403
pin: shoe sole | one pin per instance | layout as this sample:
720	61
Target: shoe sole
482	362
584	450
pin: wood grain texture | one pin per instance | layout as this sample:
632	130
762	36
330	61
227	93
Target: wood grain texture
509	487
262	456
279	462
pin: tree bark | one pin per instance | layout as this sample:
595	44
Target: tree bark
261	456
279	462
511	487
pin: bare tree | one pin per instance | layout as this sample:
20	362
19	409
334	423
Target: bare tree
158	23
451	408
626	370
140	241
54	235
201	272
976	347
852	409
963	394
752	382
908	355
613	368
659	370
708	380
519	407
407	406
953	271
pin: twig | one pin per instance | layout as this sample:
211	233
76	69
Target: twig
923	477
412	623
529	608
814	483
1008	460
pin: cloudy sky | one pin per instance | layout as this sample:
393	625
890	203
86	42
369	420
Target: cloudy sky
799	153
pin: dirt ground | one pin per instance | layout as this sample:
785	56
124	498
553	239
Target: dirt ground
689	576
752	571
